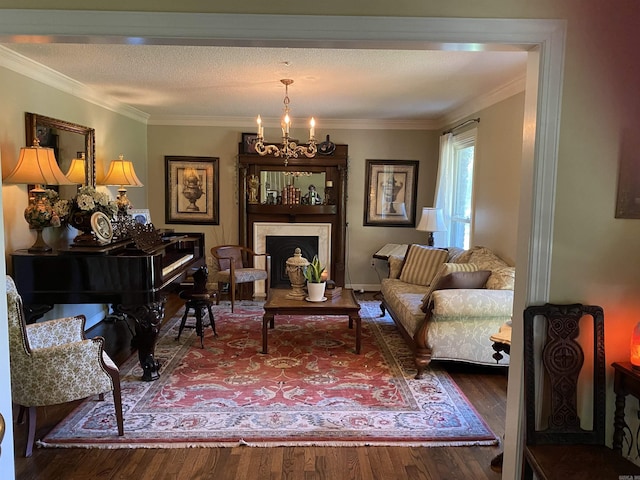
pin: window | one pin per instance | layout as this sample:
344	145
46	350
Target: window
454	192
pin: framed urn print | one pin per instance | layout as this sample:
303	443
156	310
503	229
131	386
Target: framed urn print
390	193
192	190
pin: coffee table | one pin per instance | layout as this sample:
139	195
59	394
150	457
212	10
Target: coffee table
278	304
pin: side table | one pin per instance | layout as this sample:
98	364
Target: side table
626	381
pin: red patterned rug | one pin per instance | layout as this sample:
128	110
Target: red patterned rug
311	389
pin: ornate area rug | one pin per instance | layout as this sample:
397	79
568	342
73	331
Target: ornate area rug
311	389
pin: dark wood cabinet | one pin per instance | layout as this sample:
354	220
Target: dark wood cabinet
269	205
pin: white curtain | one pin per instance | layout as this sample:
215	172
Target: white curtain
444	188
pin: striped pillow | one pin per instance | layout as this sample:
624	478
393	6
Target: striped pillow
421	264
446	269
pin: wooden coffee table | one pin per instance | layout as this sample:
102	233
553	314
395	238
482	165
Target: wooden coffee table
278	304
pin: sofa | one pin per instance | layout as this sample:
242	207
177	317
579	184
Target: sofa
448	302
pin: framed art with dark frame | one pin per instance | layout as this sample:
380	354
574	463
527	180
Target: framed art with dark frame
390	193
192	190
248	142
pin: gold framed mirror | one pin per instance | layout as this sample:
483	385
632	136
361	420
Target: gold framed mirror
66	138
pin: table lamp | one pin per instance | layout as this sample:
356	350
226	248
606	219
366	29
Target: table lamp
77	172
37	166
121	173
431	221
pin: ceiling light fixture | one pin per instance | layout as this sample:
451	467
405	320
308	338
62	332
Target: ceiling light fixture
289	148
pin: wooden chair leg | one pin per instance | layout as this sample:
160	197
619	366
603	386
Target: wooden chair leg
117	401
212	321
21	413
31	435
187	306
232	287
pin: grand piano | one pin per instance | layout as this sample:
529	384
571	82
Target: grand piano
133	280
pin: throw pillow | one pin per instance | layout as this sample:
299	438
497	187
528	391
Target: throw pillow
421	264
446	269
395	265
485	258
503	278
455	280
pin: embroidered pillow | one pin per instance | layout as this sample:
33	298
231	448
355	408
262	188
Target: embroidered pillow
503	278
421	264
446	269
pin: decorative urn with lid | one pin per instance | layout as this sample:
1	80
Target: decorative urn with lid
295	270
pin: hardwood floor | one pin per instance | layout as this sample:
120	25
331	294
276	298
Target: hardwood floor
485	387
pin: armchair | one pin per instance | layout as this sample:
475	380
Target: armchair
237	264
52	362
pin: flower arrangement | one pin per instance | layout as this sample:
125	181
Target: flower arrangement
46	209
313	272
88	201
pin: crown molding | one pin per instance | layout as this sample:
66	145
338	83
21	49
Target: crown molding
326	123
43	74
476	105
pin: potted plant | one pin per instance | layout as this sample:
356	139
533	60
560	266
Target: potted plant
315	281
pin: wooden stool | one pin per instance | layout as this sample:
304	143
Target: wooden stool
200	300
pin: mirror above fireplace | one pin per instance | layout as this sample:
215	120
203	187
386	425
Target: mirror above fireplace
272	184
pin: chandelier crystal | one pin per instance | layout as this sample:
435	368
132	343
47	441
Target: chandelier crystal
289	148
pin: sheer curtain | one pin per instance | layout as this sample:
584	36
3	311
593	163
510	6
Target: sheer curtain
444	188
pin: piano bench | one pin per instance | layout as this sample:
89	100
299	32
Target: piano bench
200	303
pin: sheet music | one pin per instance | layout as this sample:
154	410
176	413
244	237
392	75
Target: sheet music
391	249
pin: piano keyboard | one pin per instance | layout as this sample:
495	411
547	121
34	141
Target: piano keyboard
178	263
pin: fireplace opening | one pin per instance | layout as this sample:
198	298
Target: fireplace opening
281	248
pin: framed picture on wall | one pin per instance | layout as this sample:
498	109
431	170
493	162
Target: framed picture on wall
192	190
390	193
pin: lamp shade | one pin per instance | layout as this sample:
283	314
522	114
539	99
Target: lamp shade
77	170
38	166
121	172
431	220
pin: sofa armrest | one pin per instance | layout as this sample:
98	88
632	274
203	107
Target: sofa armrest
472	302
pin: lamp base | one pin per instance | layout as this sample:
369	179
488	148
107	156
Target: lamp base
40	245
430	241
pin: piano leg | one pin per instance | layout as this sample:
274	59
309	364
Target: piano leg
148	320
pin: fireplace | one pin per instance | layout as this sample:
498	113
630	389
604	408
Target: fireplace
281	248
312	238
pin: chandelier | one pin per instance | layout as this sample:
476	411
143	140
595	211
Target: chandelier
289	148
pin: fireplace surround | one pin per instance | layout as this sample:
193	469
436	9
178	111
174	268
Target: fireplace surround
326	221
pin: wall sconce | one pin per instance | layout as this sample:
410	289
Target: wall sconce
38	166
431	221
121	173
634	356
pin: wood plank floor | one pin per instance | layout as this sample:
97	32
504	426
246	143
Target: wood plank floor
485	387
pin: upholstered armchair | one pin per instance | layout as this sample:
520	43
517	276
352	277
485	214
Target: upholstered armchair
52	362
237	264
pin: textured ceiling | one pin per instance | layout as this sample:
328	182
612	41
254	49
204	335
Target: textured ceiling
331	84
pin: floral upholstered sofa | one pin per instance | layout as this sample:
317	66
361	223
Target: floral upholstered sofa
448	302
